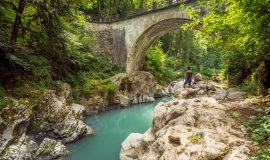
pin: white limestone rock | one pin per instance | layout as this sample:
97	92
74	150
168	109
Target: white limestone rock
202	128
21	149
64	120
14	120
138	86
49	149
197	77
134	144
235	95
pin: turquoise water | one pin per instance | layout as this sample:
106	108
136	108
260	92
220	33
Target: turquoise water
112	128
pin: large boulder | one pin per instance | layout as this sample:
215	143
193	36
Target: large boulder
235	95
138	87
25	123
20	149
135	144
49	149
14	120
161	91
61	120
197	77
196	128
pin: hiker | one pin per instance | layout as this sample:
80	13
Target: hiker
188	77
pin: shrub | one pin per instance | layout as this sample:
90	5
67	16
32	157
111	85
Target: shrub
250	86
41	86
24	90
99	87
110	88
37	65
7	101
236	114
262	132
262	155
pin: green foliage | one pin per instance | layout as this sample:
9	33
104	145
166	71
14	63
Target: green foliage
97	67
236	114
99	87
35	64
189	129
240	28
2	92
262	155
110	10
195	138
6	101
192	49
76	91
41	86
262	132
250	87
162	66
259	130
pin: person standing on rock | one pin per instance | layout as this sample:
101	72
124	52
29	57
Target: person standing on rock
188	79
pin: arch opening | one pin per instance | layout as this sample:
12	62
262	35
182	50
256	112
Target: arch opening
136	55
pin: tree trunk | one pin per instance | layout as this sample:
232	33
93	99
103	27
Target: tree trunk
17	22
141	6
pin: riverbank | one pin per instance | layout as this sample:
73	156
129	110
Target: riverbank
199	123
40	124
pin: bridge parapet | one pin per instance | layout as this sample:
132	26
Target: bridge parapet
152	8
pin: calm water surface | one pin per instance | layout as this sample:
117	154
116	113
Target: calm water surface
112	128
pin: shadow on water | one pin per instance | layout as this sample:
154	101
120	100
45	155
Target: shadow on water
111	129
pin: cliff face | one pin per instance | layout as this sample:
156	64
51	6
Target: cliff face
38	130
195	125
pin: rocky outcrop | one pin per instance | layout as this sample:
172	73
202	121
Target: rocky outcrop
206	88
29	127
162	91
26	149
14	120
49	149
60	120
197	77
138	87
195	125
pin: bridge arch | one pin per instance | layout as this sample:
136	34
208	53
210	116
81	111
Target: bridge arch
136	55
126	41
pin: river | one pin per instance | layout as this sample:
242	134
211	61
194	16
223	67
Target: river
111	129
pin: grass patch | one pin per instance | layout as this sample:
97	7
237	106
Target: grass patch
236	115
195	138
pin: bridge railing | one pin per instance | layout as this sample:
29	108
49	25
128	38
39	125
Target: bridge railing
147	8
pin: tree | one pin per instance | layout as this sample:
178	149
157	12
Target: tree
241	29
17	21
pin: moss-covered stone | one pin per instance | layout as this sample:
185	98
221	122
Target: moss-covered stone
195	138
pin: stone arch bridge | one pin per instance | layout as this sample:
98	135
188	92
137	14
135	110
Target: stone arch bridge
126	41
